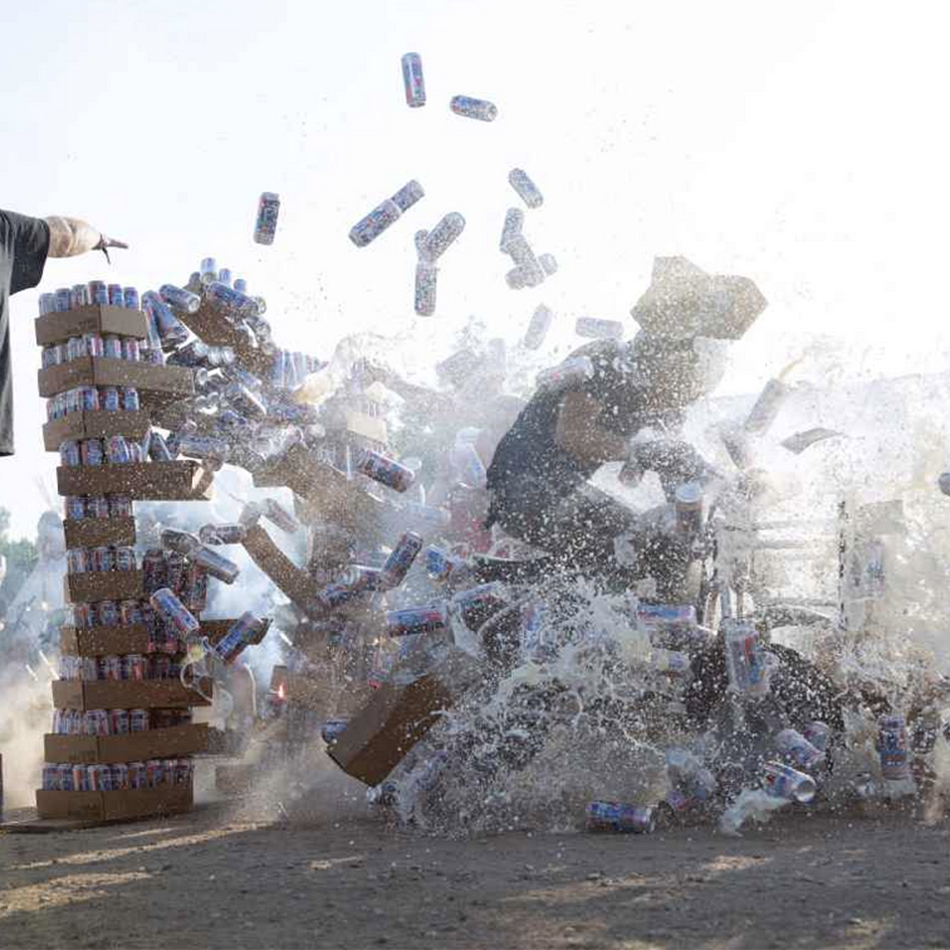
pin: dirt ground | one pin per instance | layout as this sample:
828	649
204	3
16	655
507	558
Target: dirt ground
210	879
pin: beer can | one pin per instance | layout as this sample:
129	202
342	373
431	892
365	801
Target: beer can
75	507
112	668
120	777
620	818
70	454
108	613
135	667
64	299
130	298
124	558
222	533
119	722
413	81
385	470
782	781
131	350
102	559
116	298
50	779
527	190
238	636
138	720
91	345
47	304
117	450
410	620
155	773
91	453
168	606
99	778
109	399
130	399
77	561
80	779
216	564
745	658
158	448
179	299
65	780
97	506
98	293
892	748
400	560
265	226
96	722
153	568
472	108
49	356
332	728
194	594
84	616
130	612
793	745
118	506
112	347
138	775
161	667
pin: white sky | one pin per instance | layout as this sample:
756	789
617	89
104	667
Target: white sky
802	145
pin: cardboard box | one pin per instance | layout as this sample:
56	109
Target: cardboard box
96	532
127	694
328	494
106	641
210	323
114	806
294	582
97	424
59	327
398	715
103	585
170	382
134	747
142	481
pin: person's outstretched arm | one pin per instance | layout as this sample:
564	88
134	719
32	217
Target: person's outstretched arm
69	237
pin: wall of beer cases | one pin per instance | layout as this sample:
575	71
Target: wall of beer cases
145	753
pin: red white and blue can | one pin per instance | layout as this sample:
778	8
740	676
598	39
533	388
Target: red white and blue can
88	398
130	349
153	567
130	399
99	778
130	613
102	559
72	401
155	772
90	344
109	399
120	776
168	606
77	561
117	450
892	748
118	506
176	571
97	506
96	722
130	298
64	299
107	612
138	775
110	668
47	304
385	470
90	451
74	348
116	297
484	599
265	227
112	347
620	818
411	620
238	636
119	722
80	778
817	733
439	565
194	593
70	454
413	80
84	616
138	720
400	560
124	558
65	780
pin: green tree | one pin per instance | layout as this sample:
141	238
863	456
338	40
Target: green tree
20	557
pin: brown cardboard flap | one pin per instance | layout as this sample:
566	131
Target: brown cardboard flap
397	716
142	481
58	327
210	324
134	747
133	638
97	532
96	424
328	494
127	694
103	585
111	806
294	582
170	381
